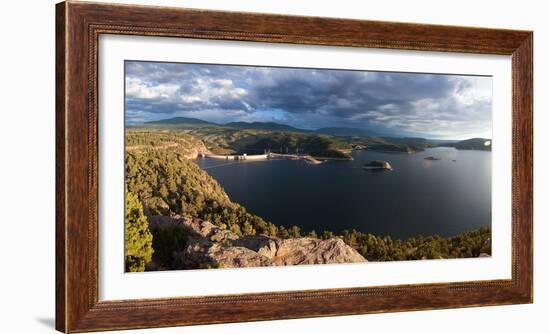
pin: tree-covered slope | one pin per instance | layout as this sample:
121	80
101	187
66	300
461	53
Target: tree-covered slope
170	184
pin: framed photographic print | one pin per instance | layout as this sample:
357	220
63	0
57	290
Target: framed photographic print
221	166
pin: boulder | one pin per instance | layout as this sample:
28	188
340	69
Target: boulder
314	251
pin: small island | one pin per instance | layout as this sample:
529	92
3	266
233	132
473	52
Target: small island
378	164
432	158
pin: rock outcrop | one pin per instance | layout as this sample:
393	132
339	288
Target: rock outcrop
209	245
196	151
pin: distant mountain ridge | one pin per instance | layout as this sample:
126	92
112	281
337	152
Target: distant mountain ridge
181	120
469	144
264	126
343	131
332	131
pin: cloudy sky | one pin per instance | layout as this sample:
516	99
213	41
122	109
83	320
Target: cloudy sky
400	104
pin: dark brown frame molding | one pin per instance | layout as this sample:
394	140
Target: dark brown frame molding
78	25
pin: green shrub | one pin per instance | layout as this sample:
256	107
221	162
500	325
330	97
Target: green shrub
138	239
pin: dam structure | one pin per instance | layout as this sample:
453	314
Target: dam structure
269	156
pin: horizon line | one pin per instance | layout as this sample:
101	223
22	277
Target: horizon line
305	129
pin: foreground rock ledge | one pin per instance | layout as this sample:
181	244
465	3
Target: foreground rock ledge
208	244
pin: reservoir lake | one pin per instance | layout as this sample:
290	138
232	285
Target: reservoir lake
418	197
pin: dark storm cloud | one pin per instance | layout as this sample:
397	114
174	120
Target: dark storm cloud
407	103
345	93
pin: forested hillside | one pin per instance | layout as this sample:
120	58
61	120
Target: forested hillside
168	183
221	140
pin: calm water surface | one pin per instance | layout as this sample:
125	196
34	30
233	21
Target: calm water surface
418	197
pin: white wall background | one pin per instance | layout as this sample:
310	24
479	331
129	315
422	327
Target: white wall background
27	69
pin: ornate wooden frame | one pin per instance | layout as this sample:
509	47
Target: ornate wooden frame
78	25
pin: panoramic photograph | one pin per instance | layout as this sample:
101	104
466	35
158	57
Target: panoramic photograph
231	166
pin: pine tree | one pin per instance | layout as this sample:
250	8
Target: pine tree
138	239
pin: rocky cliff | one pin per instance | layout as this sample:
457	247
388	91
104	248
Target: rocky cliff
140	141
210	246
